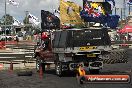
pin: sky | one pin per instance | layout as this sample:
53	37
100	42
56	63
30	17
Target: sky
35	7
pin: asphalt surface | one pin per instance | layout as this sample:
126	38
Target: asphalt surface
50	80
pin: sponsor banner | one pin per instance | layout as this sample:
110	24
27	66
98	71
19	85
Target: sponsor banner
107	78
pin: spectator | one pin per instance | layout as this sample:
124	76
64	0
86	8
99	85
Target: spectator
17	39
129	37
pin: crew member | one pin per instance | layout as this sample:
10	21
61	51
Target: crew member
45	40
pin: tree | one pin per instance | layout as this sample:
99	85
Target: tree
9	20
30	27
26	20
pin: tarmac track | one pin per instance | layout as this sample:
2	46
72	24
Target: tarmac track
50	80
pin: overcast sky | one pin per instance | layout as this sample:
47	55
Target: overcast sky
35	7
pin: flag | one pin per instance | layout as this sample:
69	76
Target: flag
129	2
33	19
70	13
57	13
16	22
49	20
112	2
96	9
14	3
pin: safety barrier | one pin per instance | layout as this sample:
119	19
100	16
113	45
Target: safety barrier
2	45
21	51
11	42
116	56
121	42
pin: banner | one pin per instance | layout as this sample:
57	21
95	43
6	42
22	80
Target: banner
70	13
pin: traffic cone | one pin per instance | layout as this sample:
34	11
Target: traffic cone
41	72
11	67
77	75
1	66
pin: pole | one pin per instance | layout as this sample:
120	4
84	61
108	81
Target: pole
115	10
124	8
5	21
125	17
129	9
121	18
26	18
26	12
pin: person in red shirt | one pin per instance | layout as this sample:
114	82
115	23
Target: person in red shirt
45	40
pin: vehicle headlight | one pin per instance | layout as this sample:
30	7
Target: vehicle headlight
100	56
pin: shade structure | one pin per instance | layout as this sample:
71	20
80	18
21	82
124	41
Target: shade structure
126	29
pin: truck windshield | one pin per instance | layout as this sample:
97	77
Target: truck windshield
90	37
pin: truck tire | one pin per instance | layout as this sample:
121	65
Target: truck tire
39	63
58	69
94	71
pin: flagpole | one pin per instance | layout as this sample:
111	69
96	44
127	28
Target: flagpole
5	21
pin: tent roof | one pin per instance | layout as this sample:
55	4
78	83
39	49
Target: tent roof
126	29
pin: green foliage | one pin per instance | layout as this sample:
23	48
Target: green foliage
9	20
30	27
26	20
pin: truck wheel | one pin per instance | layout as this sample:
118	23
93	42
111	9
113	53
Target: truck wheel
39	63
94	71
24	73
58	69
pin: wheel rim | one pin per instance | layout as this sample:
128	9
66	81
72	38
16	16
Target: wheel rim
58	70
37	64
37	67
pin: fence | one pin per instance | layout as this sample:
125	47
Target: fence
18	53
116	56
